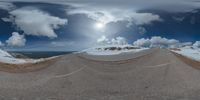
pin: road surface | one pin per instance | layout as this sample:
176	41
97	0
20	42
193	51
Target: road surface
158	74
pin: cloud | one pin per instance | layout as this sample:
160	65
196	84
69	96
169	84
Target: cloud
116	15
119	41
6	6
103	40
1	44
141	30
196	44
153	42
167	5
37	23
6	19
142	42
157	41
61	43
16	40
178	19
185	44
114	41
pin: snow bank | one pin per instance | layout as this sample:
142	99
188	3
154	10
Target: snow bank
39	60
190	52
5	57
113	50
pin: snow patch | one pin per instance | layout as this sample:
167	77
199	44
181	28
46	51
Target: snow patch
190	52
5	57
113	50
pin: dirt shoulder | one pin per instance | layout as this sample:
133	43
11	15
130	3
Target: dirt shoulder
29	67
195	64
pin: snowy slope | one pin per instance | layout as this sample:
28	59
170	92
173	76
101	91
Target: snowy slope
5	57
112	49
193	53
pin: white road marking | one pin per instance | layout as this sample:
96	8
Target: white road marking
160	65
65	75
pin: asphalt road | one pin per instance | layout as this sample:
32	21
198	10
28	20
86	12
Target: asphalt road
154	75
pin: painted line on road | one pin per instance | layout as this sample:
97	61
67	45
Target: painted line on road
65	75
160	65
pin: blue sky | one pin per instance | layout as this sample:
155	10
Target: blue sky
57	26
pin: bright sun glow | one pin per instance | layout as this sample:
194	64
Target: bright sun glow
99	25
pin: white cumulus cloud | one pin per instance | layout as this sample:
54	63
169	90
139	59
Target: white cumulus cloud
116	15
37	23
119	41
157	41
114	41
142	42
185	44
16	40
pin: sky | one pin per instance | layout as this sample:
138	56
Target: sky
73	25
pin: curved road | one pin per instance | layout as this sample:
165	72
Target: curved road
156	75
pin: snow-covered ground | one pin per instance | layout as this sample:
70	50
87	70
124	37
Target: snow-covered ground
5	57
113	50
190	52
